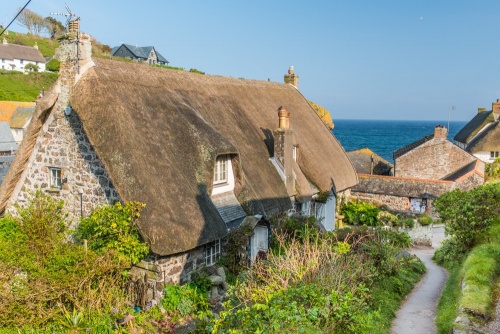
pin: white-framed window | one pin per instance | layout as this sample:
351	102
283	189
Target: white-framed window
21	61
494	155
220	170
212	252
55	177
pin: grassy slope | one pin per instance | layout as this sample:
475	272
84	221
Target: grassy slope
479	271
16	86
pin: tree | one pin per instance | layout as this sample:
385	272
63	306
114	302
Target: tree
323	114
31	20
53	27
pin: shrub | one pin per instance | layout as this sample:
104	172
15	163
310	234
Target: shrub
468	215
425	219
114	228
408	222
184	300
53	65
387	218
360	213
31	67
450	253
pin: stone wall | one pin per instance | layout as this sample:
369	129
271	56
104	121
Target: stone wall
420	235
62	143
434	159
393	202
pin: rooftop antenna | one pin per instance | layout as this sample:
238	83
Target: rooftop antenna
69	15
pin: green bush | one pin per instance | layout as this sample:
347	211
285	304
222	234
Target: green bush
360	213
114	228
181	300
53	65
387	218
450	253
425	220
468	215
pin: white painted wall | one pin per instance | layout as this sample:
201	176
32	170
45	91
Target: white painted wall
18	65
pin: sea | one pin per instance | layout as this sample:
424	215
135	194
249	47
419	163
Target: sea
384	137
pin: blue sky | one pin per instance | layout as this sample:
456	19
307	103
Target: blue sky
400	59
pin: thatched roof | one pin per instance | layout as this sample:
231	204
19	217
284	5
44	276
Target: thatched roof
21	116
487	140
14	51
158	133
362	161
478	122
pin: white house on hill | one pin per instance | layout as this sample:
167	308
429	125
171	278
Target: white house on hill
15	57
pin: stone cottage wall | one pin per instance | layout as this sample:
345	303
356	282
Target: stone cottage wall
393	202
434	159
62	143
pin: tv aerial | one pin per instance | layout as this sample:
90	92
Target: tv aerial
71	17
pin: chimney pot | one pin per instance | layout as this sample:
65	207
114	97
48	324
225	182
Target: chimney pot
284	118
291	77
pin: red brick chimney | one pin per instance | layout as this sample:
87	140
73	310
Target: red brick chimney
440	132
283	149
496	109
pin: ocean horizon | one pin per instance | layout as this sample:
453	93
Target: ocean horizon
383	137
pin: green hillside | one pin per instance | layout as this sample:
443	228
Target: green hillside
16	86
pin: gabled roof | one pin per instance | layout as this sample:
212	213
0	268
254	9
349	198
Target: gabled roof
405	149
140	51
473	166
21	116
7	109
362	161
476	124
7	142
14	51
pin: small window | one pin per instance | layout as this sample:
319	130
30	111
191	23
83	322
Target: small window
55	178
212	252
220	171
494	154
22	61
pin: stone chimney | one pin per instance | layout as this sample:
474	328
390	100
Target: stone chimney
4	41
440	132
283	149
496	109
480	110
292	78
36	45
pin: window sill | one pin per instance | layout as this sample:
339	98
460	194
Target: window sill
53	190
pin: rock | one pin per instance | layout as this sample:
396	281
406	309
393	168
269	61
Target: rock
214	292
222	274
216	280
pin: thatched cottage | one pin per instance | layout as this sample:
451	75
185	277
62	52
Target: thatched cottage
481	135
202	152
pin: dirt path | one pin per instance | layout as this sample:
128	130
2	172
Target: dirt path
418	312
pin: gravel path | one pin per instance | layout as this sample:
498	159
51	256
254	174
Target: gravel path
418	312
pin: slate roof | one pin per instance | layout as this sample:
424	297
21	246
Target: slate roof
14	51
21	116
405	149
402	186
7	142
470	167
478	122
140	51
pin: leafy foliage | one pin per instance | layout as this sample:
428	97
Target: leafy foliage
114	228
53	65
425	219
360	213
47	281
469	214
184	300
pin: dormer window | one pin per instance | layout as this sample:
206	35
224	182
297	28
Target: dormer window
220	171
